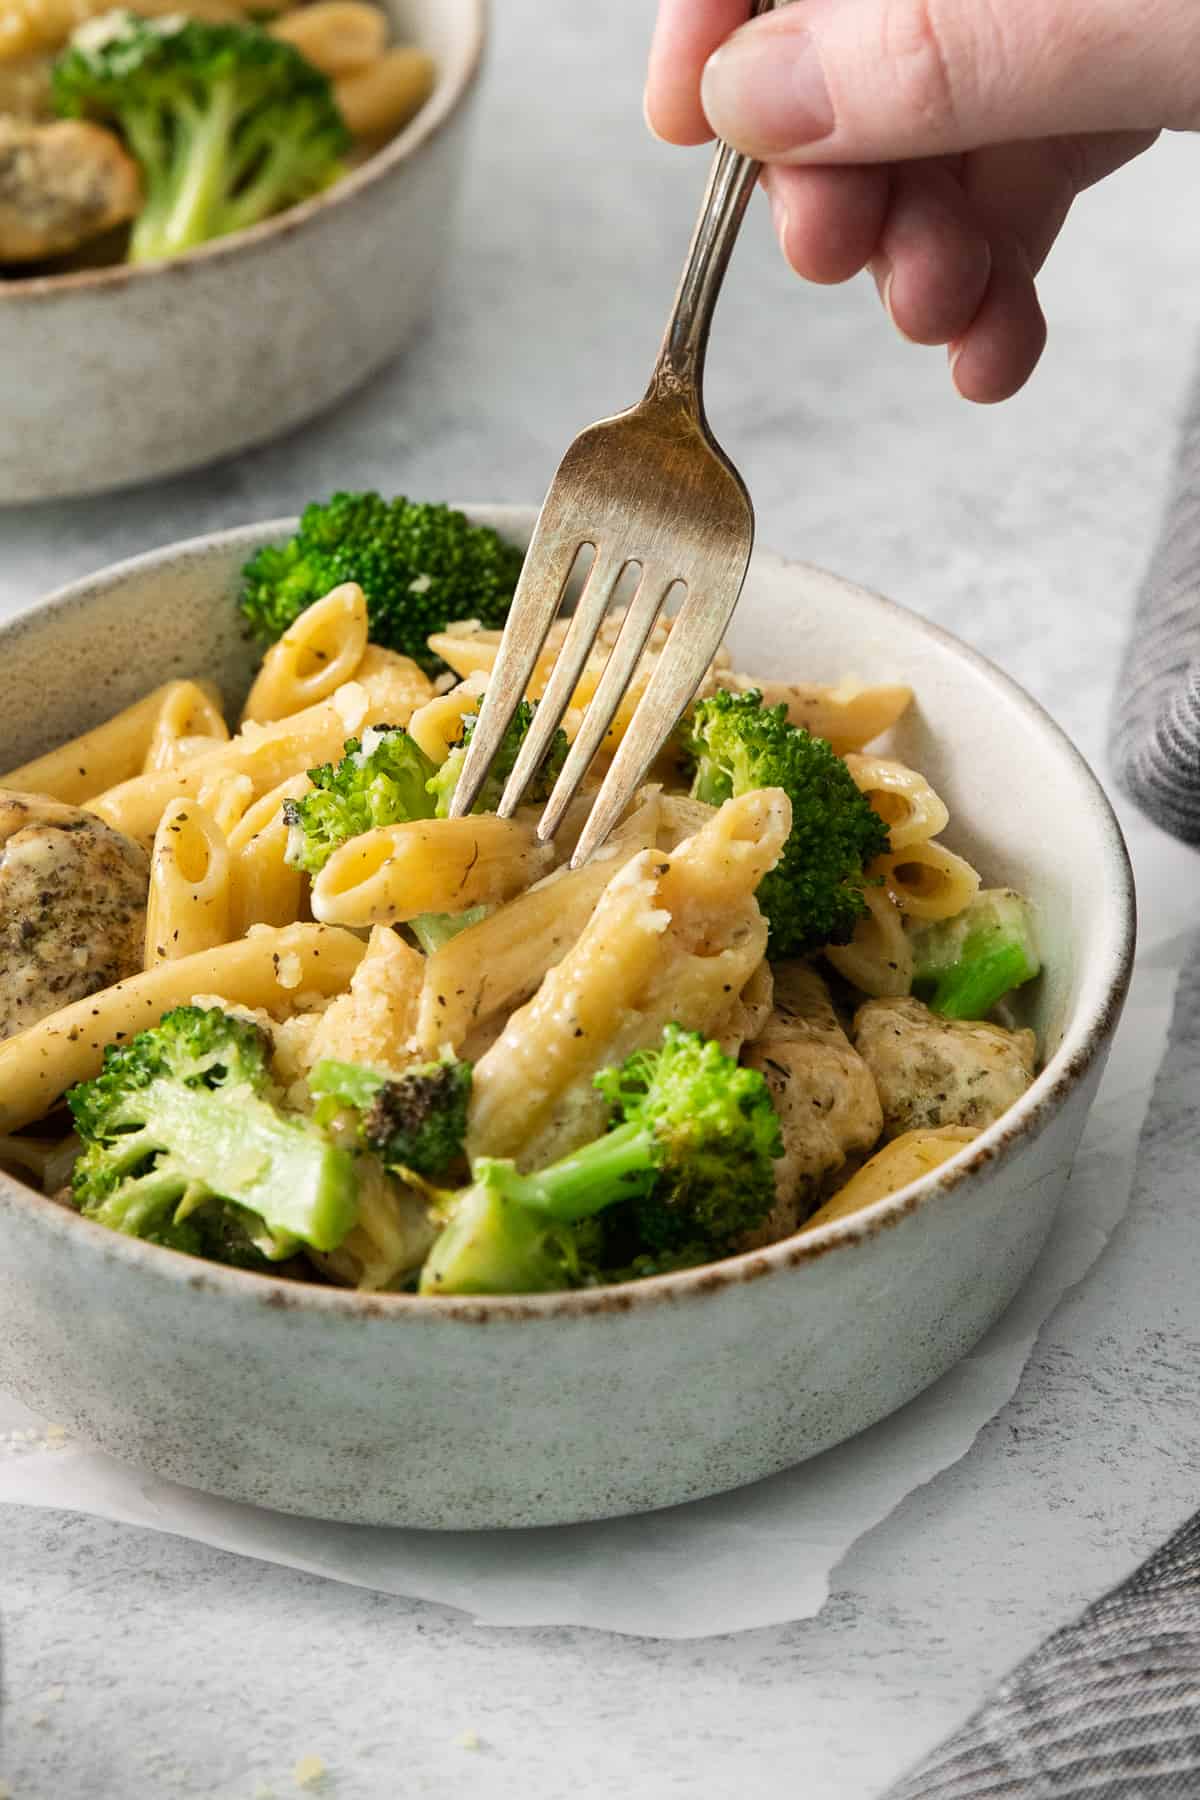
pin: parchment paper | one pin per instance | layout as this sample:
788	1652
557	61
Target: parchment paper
768	1551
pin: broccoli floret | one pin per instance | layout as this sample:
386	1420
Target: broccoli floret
381	780
228	123
814	894
420	566
182	1115
445	781
964	965
686	1168
413	1121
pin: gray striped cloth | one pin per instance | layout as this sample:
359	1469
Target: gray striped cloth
1106	1709
1155	739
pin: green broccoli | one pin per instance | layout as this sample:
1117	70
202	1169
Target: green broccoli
433	930
182	1116
228	123
964	965
686	1168
381	780
814	894
415	1121
420	566
445	780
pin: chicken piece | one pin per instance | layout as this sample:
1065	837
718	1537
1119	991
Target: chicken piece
823	1092
60	186
72	907
932	1071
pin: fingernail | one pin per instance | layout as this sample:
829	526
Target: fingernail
885	275
766	92
648	119
955	354
779	216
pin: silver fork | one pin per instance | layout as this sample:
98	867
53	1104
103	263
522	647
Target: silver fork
651	487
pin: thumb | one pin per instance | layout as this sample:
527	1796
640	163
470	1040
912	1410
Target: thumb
862	81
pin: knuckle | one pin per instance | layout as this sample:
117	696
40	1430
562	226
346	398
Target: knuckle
916	50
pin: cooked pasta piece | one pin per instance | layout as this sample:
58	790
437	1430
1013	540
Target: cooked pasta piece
267	890
932	1072
189	722
86	766
927	881
381	99
496	965
266	969
748	1013
374	1023
269	754
190	885
474	651
673	937
878	960
905	1159
322	649
850	714
823	1092
904	800
398	872
439	723
225	798
336	36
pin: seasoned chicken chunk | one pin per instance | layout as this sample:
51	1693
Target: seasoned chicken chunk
60	186
932	1071
72	907
823	1092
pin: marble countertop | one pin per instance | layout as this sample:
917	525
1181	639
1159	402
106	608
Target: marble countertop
137	1666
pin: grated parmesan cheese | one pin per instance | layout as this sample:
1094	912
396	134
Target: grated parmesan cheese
308	1771
351	701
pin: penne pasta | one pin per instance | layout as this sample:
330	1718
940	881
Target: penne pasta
927	881
903	799
113	752
878	959
323	649
374	1023
267	890
905	1159
673	936
336	36
398	872
189	905
189	722
226	798
266	969
438	725
269	754
496	965
379	100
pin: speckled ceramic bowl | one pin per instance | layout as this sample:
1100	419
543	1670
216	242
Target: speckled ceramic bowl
531	1411
123	375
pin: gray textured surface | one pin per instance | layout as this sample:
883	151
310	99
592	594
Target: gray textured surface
185	1672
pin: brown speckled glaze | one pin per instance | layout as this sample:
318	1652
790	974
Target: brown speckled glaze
121	375
537	1410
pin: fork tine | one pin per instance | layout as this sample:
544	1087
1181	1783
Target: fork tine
601	709
605	573
695	638
548	566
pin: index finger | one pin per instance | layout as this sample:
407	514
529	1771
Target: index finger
685	36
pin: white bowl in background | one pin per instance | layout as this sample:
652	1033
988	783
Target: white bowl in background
120	375
534	1410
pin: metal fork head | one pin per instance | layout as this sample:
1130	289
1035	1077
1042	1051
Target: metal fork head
651	487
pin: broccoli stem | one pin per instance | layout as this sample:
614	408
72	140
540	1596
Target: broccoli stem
199	164
299	1185
494	1245
433	930
963	966
621	1165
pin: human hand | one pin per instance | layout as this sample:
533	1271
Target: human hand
941	143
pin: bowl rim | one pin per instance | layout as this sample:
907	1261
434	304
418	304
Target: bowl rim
438	111
1087	1032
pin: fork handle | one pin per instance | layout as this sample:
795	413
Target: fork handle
679	371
